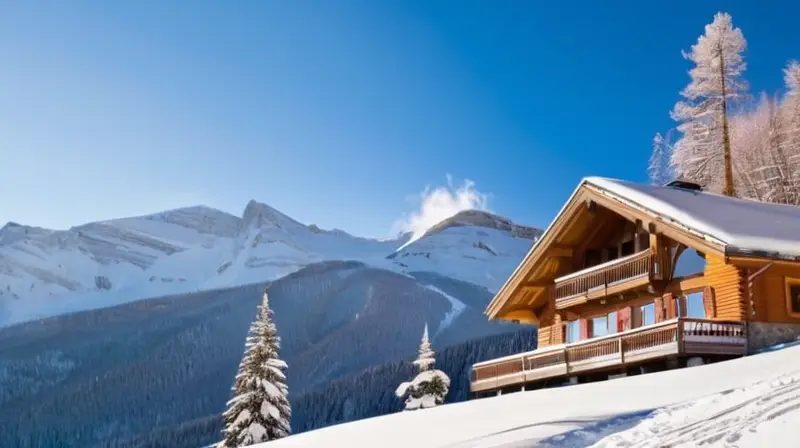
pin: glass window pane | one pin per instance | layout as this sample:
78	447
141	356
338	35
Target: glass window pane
794	298
694	305
573	331
612	322
648	314
600	326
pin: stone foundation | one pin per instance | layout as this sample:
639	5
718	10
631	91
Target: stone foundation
765	334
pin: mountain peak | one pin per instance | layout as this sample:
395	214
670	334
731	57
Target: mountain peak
262	214
480	218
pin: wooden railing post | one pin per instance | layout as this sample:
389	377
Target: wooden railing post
621	350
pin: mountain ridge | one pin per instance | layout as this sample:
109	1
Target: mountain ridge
45	272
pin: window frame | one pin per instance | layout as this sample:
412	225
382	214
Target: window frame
567	326
789	282
642	313
685	301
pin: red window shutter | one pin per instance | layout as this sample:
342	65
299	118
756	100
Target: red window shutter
584	324
658	304
624	319
708	302
669	306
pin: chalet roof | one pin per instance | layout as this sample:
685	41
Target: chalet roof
743	227
727	226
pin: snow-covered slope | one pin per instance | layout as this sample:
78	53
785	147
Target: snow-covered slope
747	402
45	272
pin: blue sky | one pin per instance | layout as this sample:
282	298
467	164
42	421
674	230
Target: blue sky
342	113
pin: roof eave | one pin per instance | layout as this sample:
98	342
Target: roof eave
732	251
502	296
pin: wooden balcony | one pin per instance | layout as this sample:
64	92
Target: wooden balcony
669	339
602	280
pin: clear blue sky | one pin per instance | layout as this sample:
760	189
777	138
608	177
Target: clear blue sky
337	112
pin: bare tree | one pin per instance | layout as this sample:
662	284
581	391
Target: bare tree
703	153
660	168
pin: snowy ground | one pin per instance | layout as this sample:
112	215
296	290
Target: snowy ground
748	402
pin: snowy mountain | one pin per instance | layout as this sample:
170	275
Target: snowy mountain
747	402
472	246
47	272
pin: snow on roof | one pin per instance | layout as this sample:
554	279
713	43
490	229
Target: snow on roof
745	227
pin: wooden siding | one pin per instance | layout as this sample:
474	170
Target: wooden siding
547	336
769	294
728	285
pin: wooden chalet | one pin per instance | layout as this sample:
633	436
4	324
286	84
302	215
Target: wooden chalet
632	278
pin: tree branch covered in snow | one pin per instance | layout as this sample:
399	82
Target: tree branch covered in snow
259	411
763	138
660	167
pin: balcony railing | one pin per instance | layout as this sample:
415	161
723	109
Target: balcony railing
681	336
604	279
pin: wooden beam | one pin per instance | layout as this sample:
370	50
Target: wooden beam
537	285
672	231
674	263
560	251
757	261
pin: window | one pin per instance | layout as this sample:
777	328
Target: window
599	326
648	314
612	322
605	324
573	331
793	296
695	306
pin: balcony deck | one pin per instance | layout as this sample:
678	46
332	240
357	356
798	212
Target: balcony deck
673	338
605	279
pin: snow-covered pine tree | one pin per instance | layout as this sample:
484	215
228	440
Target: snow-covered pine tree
703	153
430	386
259	411
660	167
425	359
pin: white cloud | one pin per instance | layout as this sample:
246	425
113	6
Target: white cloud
437	204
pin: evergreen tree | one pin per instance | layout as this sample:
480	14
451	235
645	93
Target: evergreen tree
703	154
259	411
430	386
426	359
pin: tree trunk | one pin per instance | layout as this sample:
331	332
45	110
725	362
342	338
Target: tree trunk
727	189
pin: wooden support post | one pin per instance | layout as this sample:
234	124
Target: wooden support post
669	306
658	304
658	256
